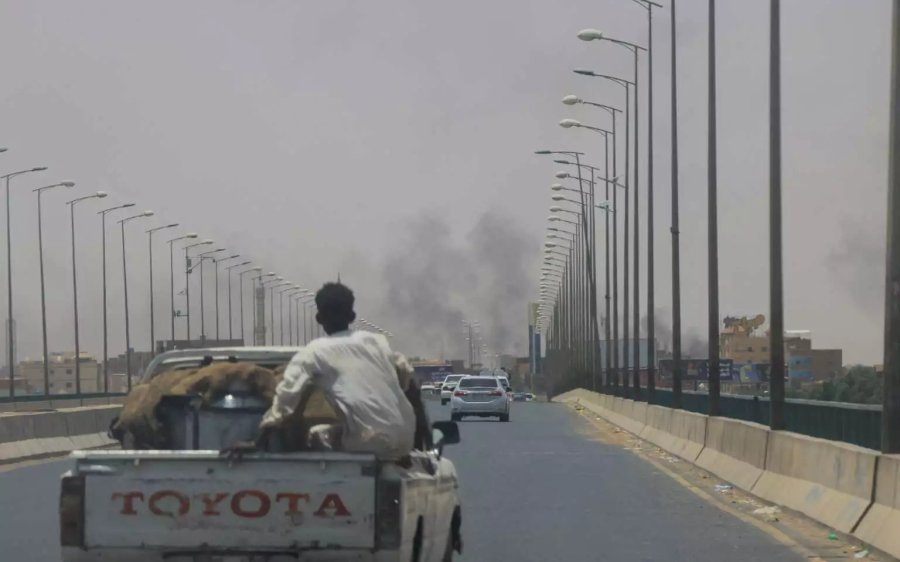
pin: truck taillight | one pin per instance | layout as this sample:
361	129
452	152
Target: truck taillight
388	516
71	511
460	393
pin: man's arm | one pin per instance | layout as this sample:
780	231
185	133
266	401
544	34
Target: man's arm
289	392
407	379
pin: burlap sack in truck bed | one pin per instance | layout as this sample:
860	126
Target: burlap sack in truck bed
139	420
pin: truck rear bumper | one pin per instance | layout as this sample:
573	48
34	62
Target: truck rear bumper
70	554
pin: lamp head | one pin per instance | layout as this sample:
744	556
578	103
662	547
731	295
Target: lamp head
590	34
571	100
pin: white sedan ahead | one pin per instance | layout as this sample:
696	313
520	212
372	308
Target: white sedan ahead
447	387
479	396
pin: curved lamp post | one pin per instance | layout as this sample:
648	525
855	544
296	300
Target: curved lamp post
10	323
228	273
241	293
187	281
122	222
46	364
217	262
201	258
71	204
150	256
172	313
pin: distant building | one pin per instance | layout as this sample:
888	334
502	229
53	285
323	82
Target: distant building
61	367
750	352
808	364
744	348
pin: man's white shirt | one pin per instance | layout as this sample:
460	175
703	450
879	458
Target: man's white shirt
355	370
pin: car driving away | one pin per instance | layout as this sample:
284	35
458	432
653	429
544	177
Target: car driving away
448	386
479	396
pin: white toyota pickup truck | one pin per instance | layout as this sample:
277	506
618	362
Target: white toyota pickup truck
198	506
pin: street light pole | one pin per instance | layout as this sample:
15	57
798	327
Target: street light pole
217	262
103	214
46	364
150	256
290	293
310	305
712	227
272	288
281	315
10	323
776	283
241	291
265	336
651	290
590	35
259	324
676	249
890	413
187	282
125	286
71	204
627	84
230	321
189	236
203	257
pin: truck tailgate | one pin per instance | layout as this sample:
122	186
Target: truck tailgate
195	499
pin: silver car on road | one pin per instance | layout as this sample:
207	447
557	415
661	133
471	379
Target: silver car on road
480	396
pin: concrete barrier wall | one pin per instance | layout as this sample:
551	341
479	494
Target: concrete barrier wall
881	524
675	431
61	402
735	451
829	481
29	435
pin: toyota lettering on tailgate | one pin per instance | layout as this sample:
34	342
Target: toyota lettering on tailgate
248	504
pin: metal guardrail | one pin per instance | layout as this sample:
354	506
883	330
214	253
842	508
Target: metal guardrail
858	424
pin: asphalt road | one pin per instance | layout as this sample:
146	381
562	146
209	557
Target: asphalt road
535	489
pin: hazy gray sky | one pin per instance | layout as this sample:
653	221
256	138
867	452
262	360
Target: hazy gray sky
318	137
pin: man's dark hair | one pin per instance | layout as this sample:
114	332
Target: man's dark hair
334	302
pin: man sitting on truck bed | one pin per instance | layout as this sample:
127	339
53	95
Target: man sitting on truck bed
355	371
